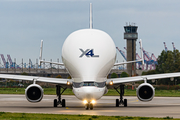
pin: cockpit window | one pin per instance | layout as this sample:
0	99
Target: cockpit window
97	84
76	85
87	84
101	84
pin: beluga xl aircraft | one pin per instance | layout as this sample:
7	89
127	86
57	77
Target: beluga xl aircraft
89	55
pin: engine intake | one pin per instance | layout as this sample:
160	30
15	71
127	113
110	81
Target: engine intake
34	93
145	92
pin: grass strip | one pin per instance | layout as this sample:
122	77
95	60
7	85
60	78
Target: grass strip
111	92
36	116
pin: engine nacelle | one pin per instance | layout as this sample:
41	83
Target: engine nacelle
34	93
145	92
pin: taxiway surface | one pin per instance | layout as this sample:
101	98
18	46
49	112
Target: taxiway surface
158	107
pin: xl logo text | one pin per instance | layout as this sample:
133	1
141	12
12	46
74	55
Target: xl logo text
88	53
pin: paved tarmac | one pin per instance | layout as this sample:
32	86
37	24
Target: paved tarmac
158	107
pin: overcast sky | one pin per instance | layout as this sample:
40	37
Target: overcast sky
24	23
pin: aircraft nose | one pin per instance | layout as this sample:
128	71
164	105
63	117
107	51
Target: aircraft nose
89	92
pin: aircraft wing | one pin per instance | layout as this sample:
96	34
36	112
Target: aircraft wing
41	61
122	63
145	77
36	78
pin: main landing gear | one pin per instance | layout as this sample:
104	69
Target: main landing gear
88	106
121	93
59	93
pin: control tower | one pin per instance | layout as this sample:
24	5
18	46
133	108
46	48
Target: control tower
131	36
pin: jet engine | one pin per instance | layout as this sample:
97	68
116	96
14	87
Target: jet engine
34	93
145	92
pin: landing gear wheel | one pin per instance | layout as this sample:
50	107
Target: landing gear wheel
63	103
87	106
117	102
55	102
125	102
91	106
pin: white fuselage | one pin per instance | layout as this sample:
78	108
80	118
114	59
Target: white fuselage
89	55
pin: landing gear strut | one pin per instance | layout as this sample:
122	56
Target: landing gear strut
121	94
88	106
59	93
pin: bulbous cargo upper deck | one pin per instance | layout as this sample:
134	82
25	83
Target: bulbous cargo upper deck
88	54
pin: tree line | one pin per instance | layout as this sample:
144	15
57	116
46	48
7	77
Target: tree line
168	62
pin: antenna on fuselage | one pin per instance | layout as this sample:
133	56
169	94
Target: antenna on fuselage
90	17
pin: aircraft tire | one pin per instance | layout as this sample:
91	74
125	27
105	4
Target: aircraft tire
125	102
117	102
91	106
87	106
55	102
63	103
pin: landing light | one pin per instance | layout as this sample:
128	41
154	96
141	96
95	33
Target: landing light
111	83
68	83
85	102
93	101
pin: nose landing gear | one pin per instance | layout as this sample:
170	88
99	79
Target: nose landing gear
89	106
